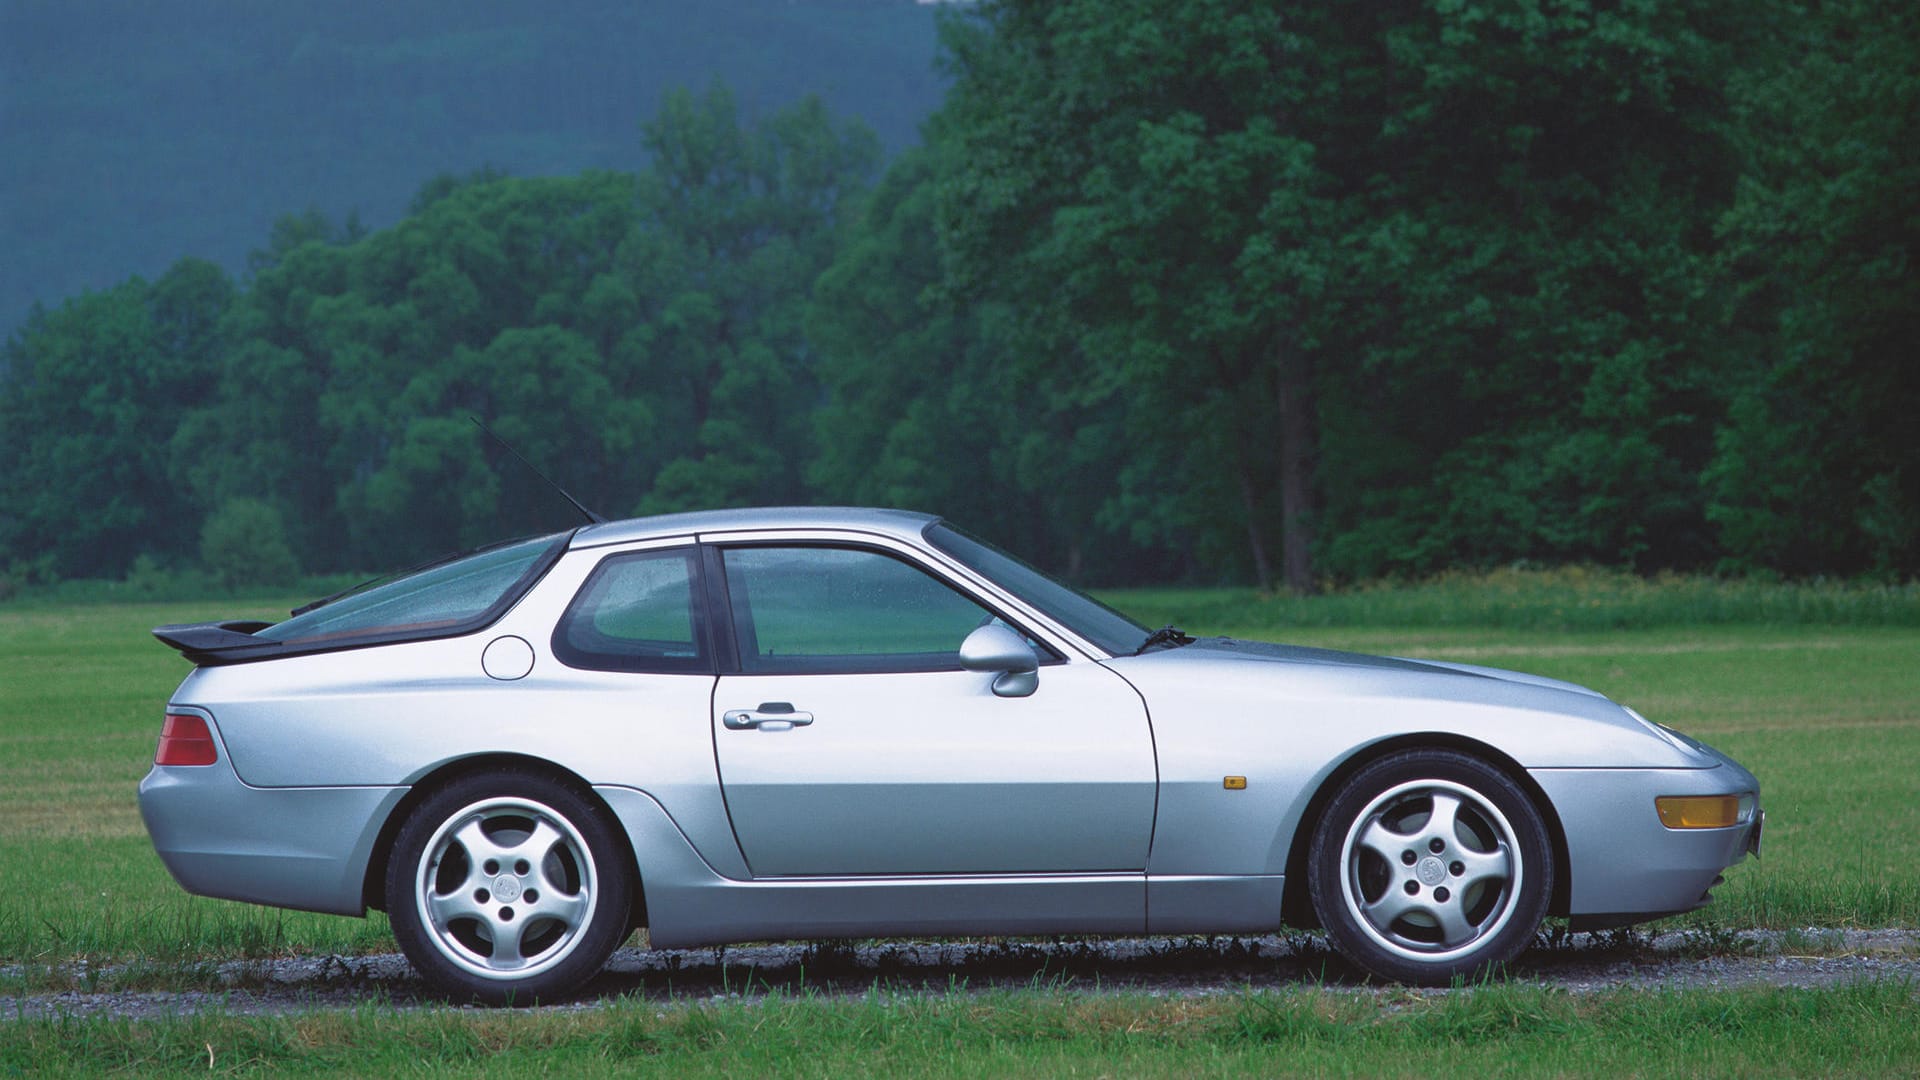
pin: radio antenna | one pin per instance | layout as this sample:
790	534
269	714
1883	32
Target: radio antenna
592	518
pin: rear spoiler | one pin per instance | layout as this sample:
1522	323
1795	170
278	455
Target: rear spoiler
218	642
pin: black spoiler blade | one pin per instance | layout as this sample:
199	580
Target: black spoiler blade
216	642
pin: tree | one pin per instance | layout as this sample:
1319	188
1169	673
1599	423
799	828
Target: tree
1122	179
638	336
1397	282
914	414
1816	468
244	543
90	391
740	220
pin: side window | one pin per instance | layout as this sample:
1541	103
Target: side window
822	609
637	612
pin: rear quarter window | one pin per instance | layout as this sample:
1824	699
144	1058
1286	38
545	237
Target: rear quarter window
637	612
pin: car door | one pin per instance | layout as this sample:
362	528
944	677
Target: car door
851	742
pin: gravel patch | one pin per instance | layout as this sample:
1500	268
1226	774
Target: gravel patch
1577	963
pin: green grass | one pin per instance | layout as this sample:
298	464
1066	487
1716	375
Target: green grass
1568	598
1828	715
1866	1029
1816	689
1828	718
80	710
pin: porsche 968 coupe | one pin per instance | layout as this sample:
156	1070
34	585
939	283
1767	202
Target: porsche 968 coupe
842	723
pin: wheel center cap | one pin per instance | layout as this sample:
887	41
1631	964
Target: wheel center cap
506	888
1431	871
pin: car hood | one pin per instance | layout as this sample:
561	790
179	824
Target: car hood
1357	699
1236	649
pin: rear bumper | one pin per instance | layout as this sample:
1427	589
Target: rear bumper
304	848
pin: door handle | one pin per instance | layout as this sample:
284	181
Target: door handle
770	716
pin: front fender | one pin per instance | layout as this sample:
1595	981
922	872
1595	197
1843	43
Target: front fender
1287	727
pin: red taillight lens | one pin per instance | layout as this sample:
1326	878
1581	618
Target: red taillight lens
185	740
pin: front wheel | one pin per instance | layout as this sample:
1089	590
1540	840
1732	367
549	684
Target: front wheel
1429	865
508	887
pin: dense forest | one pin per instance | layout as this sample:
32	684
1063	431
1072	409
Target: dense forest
1296	294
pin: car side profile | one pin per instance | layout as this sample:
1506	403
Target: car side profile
830	723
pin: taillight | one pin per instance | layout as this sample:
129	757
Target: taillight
185	740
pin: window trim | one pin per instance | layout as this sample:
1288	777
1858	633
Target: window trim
721	598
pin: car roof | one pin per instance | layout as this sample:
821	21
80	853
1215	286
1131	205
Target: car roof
902	523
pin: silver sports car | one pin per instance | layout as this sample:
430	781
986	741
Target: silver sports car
818	723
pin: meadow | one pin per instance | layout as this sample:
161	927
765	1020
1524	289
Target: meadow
1866	1029
1815	688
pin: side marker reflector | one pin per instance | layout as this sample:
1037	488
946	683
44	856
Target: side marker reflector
1234	783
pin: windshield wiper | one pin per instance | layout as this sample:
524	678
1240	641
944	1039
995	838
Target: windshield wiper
1166	635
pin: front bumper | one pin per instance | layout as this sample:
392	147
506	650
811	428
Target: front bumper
304	848
1621	860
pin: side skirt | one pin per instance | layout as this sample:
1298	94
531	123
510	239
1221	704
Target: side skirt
1208	904
689	904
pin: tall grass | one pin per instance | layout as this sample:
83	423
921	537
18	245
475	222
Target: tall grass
171	586
1569	598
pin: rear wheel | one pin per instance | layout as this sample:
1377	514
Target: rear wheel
1428	865
508	887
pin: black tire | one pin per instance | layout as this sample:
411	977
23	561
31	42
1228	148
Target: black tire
508	887
1430	865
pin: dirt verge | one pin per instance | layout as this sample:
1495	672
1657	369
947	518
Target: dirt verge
1578	963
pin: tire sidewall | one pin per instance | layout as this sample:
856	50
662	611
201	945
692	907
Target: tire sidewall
605	929
1326	865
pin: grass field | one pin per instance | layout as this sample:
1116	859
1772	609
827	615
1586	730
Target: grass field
1827	715
1871	1029
1821	699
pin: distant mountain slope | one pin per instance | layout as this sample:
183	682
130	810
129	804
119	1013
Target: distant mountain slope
134	133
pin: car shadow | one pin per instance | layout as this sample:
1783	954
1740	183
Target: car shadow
836	969
1176	965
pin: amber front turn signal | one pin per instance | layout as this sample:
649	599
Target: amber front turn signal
1698	811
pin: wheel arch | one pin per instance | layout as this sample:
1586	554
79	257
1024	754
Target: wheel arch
1296	907
373	883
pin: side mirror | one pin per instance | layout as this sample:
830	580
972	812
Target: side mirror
993	647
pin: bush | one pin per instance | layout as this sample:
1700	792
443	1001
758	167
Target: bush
245	543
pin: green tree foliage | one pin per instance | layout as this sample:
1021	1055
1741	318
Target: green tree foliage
639	335
917	411
1818	466
1208	290
245	543
739	222
1422	279
1543	345
89	393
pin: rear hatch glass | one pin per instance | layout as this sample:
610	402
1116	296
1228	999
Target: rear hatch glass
436	600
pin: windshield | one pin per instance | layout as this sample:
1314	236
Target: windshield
1072	609
439	599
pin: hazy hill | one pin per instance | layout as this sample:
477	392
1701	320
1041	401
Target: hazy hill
133	133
